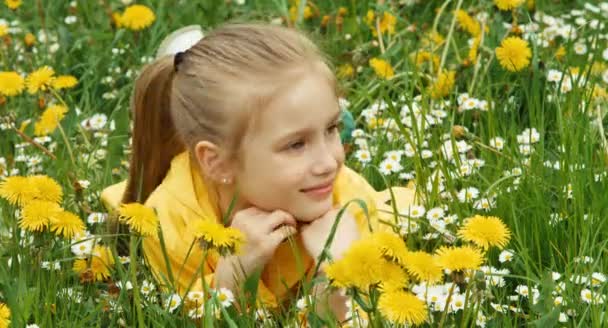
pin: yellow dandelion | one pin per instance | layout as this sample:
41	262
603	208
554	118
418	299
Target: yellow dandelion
485	231
424	267
459	258
140	218
402	308
64	82
467	23
359	267
37	214
345	71
40	79
508	4
17	190
98	266
67	224
3	30
392	276
513	54
13	4
29	39
560	53
443	85
423	56
5	316
137	17
11	83
387	23
46	188
391	245
382	68
49	120
212	235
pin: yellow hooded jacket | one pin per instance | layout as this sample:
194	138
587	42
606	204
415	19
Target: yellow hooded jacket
183	197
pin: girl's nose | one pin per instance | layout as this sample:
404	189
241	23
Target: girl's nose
325	161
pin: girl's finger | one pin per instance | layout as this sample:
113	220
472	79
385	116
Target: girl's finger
281	233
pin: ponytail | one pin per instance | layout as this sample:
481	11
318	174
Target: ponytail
155	139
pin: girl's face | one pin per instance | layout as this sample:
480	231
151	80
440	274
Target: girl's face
293	154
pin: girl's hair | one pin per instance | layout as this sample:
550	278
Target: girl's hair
211	94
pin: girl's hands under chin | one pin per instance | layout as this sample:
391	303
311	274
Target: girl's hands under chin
315	233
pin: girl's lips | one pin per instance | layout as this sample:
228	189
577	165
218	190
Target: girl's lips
320	191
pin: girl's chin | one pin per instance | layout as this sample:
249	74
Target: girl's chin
313	212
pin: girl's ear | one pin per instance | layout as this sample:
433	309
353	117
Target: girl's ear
214	162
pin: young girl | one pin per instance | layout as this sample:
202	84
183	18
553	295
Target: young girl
249	111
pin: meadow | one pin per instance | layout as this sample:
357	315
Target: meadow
493	109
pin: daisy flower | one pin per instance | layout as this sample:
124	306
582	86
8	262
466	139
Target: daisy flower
506	256
225	297
173	302
140	218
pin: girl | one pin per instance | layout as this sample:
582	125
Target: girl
252	111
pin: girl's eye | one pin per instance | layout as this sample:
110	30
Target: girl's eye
295	145
333	128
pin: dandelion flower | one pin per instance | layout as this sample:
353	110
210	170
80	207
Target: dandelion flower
468	23
392	276
37	214
443	85
40	79
140	218
64	82
391	246
513	54
3	29
13	4
49	120
5	316
485	231
402	307
17	190
46	188
11	83
508	4
98	267
459	258
382	68
215	236
424	267
67	224
137	17
359	267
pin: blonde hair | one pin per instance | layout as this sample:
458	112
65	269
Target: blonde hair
211	94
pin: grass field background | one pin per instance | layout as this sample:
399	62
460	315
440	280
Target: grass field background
433	104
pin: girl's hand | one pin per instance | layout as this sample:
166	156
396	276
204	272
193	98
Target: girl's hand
314	234
264	232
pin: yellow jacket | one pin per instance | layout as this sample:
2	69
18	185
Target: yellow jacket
182	198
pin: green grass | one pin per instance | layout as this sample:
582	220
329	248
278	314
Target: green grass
570	125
